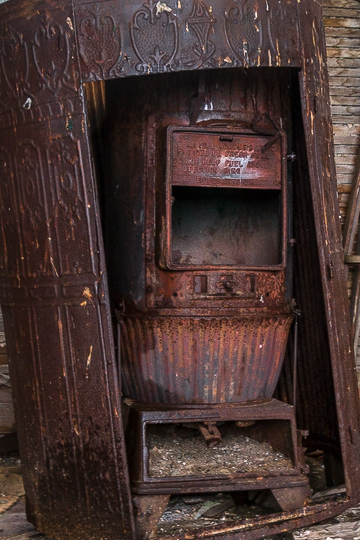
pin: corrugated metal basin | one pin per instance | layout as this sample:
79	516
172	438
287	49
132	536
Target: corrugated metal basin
202	359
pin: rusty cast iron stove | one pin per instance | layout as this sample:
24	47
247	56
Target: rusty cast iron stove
208	329
171	265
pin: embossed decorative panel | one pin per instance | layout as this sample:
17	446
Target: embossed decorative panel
155	37
99	43
31	190
244	32
70	207
52	53
201	24
132	38
14	56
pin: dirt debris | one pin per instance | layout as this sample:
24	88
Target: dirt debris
180	517
171	455
11	483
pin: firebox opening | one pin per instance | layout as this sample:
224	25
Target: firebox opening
226	227
238	448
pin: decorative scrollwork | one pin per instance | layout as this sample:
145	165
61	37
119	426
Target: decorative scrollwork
65	163
69	208
200	23
283	20
155	37
6	212
15	66
51	50
243	30
100	45
33	209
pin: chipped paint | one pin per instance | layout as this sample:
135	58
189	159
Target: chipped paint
88	361
69	123
278	58
161	7
239	164
87	294
54	267
27	104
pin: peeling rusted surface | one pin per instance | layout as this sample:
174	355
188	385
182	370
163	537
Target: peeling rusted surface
53	279
202	360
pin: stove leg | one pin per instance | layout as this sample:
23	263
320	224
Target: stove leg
148	511
291	498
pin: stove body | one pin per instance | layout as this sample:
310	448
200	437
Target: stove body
205	306
212	318
192	136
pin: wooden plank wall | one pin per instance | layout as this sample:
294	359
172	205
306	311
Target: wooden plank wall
342	27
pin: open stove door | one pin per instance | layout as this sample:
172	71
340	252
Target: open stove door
53	280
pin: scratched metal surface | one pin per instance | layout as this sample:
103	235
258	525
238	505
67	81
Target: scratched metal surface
54	292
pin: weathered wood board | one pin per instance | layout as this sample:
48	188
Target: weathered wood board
342	26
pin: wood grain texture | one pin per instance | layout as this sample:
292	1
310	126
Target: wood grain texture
342	27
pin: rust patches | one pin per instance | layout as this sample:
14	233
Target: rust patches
167	351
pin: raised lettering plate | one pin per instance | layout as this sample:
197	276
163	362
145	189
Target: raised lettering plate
222	158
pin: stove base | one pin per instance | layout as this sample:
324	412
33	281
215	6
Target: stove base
269	422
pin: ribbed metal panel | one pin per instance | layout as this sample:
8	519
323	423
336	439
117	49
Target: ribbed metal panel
202	360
